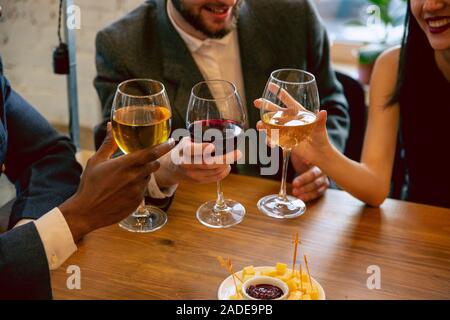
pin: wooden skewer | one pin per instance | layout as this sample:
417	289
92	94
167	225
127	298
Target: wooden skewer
228	265
296	242
301	275
309	274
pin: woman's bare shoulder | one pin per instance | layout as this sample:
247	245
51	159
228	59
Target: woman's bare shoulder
389	60
387	64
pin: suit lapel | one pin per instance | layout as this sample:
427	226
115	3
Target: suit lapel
179	70
3	133
256	59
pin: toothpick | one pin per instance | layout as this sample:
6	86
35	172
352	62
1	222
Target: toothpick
296	242
301	275
228	265
309	274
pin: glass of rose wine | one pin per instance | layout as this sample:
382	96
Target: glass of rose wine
216	115
290	103
141	118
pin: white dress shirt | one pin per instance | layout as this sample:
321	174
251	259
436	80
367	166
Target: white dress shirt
215	58
56	236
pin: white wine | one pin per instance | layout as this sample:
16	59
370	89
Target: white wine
136	128
287	130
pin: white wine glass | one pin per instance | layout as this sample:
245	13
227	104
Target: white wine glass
216	115
288	112
141	118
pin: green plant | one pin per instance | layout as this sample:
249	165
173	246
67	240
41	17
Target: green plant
383	6
379	13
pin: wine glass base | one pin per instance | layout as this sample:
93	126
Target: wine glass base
145	223
231	216
275	207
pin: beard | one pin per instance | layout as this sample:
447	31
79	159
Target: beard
197	22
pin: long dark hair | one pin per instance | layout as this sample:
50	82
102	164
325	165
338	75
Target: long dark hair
415	48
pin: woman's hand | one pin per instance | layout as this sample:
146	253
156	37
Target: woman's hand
306	157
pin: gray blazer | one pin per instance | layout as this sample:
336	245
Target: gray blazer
272	35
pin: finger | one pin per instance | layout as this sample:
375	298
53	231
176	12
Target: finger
224	174
192	152
208	176
285	97
312	195
320	182
267	105
227	158
202	166
307	177
108	146
142	157
260	126
150	168
321	119
214	175
209	162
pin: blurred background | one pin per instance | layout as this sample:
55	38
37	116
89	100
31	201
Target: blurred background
28	35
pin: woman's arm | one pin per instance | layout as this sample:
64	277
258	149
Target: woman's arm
370	180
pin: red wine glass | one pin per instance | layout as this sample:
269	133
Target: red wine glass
216	115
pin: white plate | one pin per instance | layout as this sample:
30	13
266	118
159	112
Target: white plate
227	288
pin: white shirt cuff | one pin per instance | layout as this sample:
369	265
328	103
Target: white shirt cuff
155	192
56	238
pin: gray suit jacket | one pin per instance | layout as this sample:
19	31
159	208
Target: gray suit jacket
272	35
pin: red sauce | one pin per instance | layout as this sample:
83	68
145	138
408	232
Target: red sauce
264	292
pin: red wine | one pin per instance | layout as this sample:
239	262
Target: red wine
224	134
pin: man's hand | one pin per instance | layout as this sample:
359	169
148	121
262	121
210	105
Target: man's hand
311	182
205	170
110	189
310	185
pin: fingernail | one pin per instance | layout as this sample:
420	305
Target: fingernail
171	142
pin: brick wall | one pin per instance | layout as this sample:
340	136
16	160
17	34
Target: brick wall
27	38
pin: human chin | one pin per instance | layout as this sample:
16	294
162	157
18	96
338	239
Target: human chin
439	41
440	44
216	29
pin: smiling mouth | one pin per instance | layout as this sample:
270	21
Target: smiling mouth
438	24
216	10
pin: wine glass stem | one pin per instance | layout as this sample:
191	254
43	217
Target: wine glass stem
286	157
220	202
142	210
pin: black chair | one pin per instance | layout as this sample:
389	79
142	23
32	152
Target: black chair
355	94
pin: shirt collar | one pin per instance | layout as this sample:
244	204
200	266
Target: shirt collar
194	44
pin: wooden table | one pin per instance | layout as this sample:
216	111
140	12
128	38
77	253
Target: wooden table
341	237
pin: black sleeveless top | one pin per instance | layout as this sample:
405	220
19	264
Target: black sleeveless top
425	130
